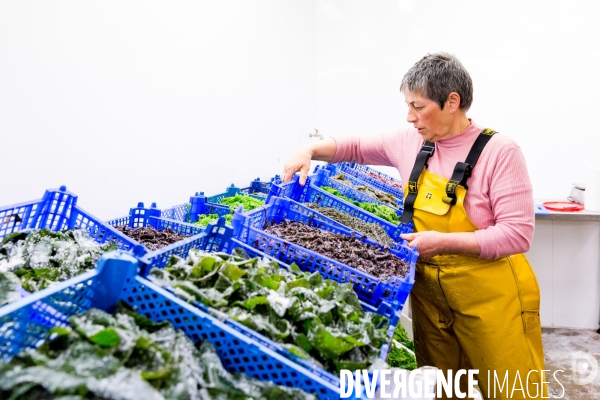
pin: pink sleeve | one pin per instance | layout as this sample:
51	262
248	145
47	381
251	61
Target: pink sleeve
511	198
366	150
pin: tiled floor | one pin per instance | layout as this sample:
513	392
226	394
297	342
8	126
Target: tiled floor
569	350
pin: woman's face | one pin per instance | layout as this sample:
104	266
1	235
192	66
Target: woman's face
431	121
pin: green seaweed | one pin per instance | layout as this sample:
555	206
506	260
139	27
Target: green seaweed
401	336
320	320
9	288
248	202
382	211
42	258
376	194
400	357
135	359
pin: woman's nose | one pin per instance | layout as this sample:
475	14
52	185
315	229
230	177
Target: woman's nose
411	116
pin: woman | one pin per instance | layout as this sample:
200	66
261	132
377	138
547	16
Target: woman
475	302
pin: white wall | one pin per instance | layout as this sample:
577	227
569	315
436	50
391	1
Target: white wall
151	101
534	65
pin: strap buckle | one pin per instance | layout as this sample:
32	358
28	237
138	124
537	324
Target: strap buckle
425	152
451	187
450	197
412	187
488	132
428	149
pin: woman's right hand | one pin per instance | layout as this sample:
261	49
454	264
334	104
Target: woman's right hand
299	162
323	150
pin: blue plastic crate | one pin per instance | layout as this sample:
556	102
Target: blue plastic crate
232	190
363	173
393	293
200	204
25	324
357	182
322	178
279	209
58	210
221	238
179	212
288	209
312	194
140	217
218	238
362	179
257	186
189	212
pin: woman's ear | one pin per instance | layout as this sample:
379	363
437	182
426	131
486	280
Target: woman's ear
453	101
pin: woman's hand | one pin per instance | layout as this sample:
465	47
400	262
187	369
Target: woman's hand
299	162
323	150
428	243
432	243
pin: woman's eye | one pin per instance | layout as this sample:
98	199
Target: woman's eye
418	108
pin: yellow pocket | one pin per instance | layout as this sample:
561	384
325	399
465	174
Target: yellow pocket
429	199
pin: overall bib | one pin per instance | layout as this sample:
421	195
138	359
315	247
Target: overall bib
471	313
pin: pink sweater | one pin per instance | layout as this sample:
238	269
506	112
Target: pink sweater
499	200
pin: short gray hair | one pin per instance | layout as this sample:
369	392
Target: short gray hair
437	75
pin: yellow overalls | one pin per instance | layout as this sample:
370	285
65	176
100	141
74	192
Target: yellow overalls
471	313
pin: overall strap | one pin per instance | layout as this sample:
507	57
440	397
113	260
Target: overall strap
463	170
421	162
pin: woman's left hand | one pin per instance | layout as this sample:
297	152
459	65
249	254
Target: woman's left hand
432	243
429	243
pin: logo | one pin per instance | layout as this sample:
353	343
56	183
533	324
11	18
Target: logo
412	187
451	186
430	382
428	196
426	382
584	368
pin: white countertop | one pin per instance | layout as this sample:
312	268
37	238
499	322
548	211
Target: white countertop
583	215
